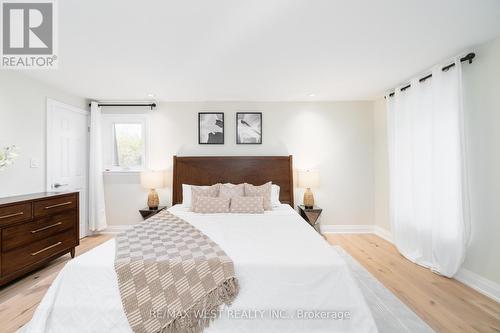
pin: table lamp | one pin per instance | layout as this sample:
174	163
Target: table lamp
308	179
152	180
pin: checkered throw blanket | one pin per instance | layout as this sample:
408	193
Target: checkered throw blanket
172	277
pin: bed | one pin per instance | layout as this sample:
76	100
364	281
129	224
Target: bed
290	279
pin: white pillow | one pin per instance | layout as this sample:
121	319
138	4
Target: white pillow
275	195
186	194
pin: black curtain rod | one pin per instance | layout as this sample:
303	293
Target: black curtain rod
468	58
151	105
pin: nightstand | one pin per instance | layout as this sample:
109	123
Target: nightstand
146	212
311	215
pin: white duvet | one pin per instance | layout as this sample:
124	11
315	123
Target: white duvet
290	281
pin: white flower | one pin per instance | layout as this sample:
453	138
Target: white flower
7	156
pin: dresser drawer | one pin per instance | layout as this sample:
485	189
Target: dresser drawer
55	205
35	252
29	232
15	213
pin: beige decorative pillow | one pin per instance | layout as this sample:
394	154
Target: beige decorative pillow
202	191
247	205
263	191
211	205
229	190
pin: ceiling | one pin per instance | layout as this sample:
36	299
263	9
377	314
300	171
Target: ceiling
260	50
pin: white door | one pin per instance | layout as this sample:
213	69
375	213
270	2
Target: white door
67	153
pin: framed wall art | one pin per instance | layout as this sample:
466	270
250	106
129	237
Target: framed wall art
211	128
249	127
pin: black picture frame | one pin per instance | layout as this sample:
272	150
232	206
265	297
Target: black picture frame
217	139
258	130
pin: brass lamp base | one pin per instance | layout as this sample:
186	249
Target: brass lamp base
308	199
153	199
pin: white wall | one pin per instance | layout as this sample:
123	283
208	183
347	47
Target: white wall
336	138
381	166
22	123
482	120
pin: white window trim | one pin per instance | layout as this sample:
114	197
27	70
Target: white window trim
109	119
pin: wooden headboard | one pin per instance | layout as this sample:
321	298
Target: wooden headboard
257	170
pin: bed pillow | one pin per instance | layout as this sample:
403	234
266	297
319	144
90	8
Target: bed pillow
203	191
186	194
263	191
211	205
247	205
275	195
229	190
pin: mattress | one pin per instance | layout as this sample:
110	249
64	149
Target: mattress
291	280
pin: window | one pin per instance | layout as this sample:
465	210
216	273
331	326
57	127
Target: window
125	142
129	146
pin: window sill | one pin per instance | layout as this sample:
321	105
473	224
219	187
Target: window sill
121	172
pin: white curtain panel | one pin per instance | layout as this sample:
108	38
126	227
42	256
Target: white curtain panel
428	183
97	207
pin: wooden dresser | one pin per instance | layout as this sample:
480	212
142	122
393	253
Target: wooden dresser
35	229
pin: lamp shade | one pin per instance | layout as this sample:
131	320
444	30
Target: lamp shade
308	179
152	179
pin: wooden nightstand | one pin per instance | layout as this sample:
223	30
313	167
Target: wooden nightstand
146	212
311	215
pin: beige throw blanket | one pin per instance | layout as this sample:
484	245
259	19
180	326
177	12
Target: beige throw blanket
172	277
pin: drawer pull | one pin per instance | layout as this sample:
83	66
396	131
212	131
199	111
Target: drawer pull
59	205
11	215
47	248
45	228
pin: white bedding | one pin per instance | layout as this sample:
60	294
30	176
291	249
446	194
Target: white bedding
283	266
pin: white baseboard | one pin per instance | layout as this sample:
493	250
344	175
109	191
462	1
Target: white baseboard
346	229
383	233
115	229
479	283
357	229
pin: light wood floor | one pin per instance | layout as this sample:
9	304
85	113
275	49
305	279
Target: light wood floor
447	305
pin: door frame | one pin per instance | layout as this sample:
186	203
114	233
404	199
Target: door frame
50	104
